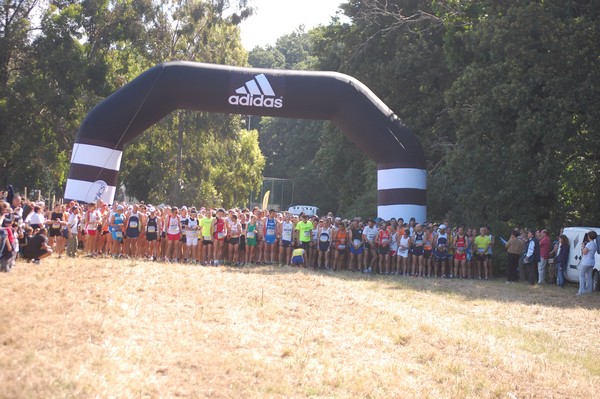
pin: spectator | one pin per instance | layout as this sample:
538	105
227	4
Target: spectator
532	256
73	228
562	259
587	263
545	247
38	247
514	247
7	250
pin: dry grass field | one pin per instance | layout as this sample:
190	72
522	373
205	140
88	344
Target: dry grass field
125	329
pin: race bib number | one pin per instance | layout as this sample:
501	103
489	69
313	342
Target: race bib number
385	240
306	233
119	234
341	246
357	242
151	229
56	225
220	235
250	234
324	238
270	232
480	251
133	224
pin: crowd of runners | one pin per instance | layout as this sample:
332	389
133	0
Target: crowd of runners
241	237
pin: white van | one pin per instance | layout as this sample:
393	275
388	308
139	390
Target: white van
575	236
307	209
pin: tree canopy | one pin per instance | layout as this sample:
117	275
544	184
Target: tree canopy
502	95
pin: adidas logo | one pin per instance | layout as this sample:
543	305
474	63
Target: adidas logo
256	92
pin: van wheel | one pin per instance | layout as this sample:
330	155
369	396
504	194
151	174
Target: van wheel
596	281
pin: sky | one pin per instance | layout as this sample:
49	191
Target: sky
275	18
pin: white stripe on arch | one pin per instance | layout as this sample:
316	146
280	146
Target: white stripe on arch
93	155
89	192
401	178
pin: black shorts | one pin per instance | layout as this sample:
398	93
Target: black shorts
54	233
233	240
383	250
207	242
151	236
304	245
286	243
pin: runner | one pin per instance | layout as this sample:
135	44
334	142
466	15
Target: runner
324	244
404	243
286	233
270	235
152	229
251	242
418	240
173	230
181	245
461	243
369	235
440	250
341	245
219	228
206	223
383	248
304	228
356	246
55	225
132	232
233	235
116	224
191	237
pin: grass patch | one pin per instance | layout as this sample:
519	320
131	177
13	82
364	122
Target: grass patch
106	328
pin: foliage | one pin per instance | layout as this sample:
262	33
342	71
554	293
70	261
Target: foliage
84	51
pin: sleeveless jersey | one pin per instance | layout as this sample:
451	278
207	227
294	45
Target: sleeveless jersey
384	238
270	230
152	225
220	229
325	235
287	228
340	239
191	230
56	225
356	236
461	244
173	225
419	239
134	222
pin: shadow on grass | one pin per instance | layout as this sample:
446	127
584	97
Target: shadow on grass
471	290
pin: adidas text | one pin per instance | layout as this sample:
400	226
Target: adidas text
256	101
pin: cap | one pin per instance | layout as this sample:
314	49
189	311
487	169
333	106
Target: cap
442	226
151	208
120	207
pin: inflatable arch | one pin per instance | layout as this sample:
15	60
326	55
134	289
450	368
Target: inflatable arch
350	105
